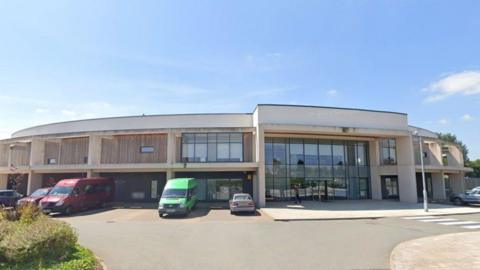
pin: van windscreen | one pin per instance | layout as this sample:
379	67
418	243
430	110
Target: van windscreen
174	193
59	190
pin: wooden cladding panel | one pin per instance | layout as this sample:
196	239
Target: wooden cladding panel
52	150
178	149
247	147
126	149
4	155
20	155
74	151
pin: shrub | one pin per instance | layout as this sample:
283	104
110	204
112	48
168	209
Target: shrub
28	213
44	238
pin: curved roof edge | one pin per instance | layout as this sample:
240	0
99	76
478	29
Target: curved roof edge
15	134
327	107
423	132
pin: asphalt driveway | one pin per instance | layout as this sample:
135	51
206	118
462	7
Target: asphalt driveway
213	239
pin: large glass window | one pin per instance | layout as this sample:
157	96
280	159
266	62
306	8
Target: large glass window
279	151
320	168
212	147
389	151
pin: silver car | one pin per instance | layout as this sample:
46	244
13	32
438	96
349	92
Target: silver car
472	196
242	202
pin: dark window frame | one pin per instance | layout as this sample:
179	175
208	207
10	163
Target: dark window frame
208	143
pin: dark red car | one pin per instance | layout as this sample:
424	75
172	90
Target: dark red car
35	197
71	195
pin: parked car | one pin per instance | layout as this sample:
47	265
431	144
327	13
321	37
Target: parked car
35	197
178	197
471	196
70	195
9	198
242	202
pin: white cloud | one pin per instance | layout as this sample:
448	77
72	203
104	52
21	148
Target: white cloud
443	121
462	83
467	117
332	93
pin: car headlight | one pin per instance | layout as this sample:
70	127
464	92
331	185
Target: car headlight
59	203
160	206
182	205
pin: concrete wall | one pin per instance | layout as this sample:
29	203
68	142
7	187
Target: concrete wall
333	117
457	182
34	182
438	185
3	181
141	122
406	170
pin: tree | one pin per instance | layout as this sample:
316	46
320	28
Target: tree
449	137
475	165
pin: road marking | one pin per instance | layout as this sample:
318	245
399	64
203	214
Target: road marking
472	227
417	218
459	223
438	220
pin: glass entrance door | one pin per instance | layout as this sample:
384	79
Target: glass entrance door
390	188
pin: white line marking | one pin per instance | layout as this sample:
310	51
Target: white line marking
460	223
416	218
438	220
472	227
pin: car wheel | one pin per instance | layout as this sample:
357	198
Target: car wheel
458	201
68	211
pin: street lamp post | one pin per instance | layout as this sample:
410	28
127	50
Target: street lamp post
425	198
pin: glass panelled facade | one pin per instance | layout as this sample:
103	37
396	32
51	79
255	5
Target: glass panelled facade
212	147
323	169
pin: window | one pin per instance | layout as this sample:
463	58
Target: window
389	151
323	168
51	161
212	147
146	149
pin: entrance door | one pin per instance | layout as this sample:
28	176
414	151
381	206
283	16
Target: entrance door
390	188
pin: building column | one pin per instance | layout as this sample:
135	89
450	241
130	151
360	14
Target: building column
407	183
91	173
94	150
34	182
170	174
375	181
260	159
438	186
3	181
457	182
171	147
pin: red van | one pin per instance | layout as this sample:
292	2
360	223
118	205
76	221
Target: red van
70	195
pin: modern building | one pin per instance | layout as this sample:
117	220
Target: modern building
330	153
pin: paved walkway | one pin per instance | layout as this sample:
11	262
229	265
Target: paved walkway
312	210
448	251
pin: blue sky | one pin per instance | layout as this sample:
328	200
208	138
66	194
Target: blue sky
65	60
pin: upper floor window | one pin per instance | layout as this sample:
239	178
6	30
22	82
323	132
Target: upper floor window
212	147
389	151
147	149
445	153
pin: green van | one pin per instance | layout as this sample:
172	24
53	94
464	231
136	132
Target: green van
178	197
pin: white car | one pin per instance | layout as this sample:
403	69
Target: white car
242	202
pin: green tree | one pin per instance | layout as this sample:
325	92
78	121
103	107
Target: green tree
475	165
449	137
